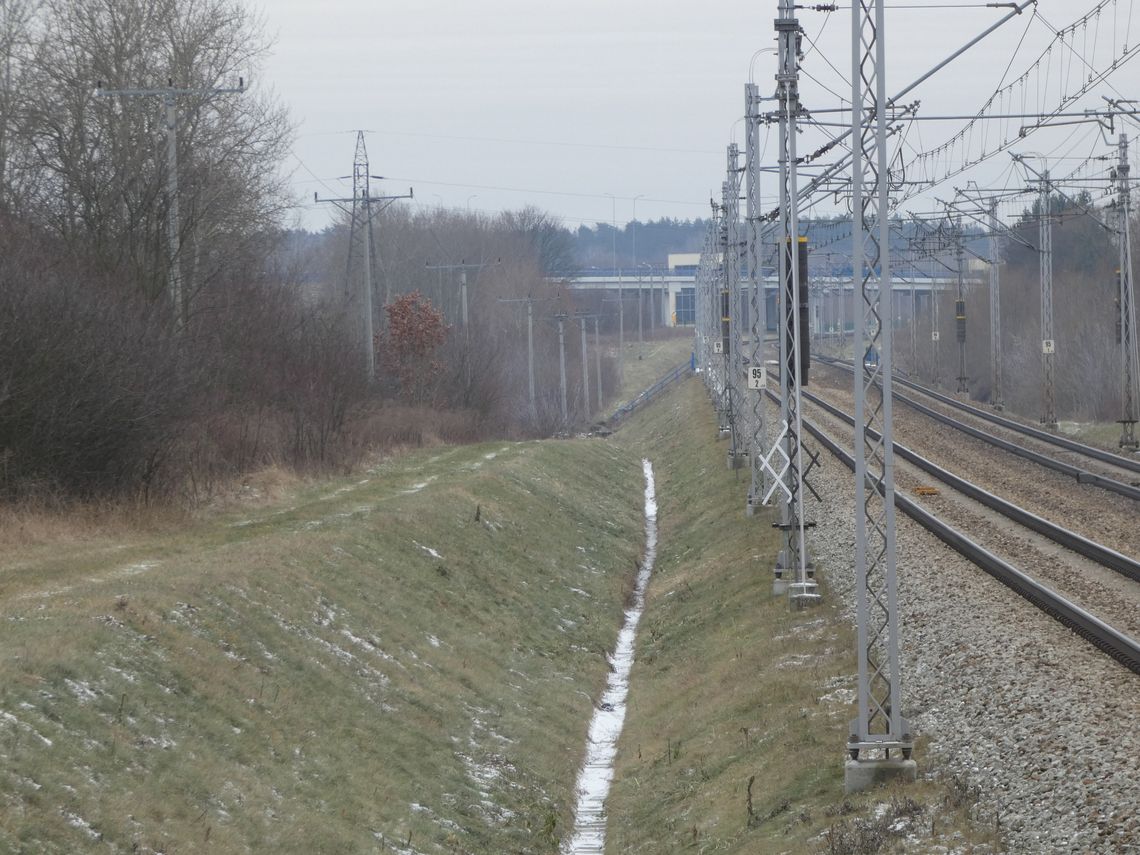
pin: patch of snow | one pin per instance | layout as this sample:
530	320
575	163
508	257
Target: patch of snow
82	691
597	773
126	675
427	549
433	641
7	716
76	821
842	695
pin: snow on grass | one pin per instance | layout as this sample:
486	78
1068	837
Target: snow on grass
427	549
76	821
82	691
419	485
597	771
7	716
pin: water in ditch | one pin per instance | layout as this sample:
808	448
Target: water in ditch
598	771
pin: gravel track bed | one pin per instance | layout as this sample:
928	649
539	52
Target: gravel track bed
1099	590
1074	458
1101	516
1040	721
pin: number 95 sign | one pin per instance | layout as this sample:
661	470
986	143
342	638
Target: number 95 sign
757	377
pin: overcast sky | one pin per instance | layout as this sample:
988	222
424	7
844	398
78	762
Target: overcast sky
497	104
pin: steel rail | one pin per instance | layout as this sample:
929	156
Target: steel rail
1082	476
1069	539
1114	643
1131	464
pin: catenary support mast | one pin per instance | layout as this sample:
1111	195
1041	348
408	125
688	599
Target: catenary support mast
879	727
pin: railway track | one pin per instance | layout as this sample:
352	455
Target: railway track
1125	466
1101	634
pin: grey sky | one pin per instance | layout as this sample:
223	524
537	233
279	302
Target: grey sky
500	103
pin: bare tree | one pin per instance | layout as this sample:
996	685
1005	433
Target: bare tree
90	169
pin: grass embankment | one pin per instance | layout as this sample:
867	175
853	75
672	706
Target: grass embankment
739	705
404	660
660	356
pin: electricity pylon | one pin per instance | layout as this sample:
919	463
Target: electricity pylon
360	243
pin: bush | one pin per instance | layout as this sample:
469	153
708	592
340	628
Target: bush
91	390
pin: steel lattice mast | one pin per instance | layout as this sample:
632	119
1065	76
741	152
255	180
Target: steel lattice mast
726	402
360	232
794	555
1048	343
996	382
1129	357
879	725
757	296
360	245
707	308
731	264
960	302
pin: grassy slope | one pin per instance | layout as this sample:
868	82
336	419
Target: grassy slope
661	356
314	679
731	685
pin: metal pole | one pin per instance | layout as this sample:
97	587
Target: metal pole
361	214
803	591
621	307
759	440
1129	358
732	357
173	225
530	356
598	359
640	313
913	328
1048	343
621	330
879	724
585	371
366	294
652	302
960	306
466	332
787	29
562	366
996	394
935	333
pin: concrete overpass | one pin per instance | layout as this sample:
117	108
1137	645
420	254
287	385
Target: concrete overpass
831	295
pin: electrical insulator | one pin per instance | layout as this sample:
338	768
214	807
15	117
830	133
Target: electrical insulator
960	318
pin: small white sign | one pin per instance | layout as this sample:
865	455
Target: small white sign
934	336
1048	346
757	377
718	347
